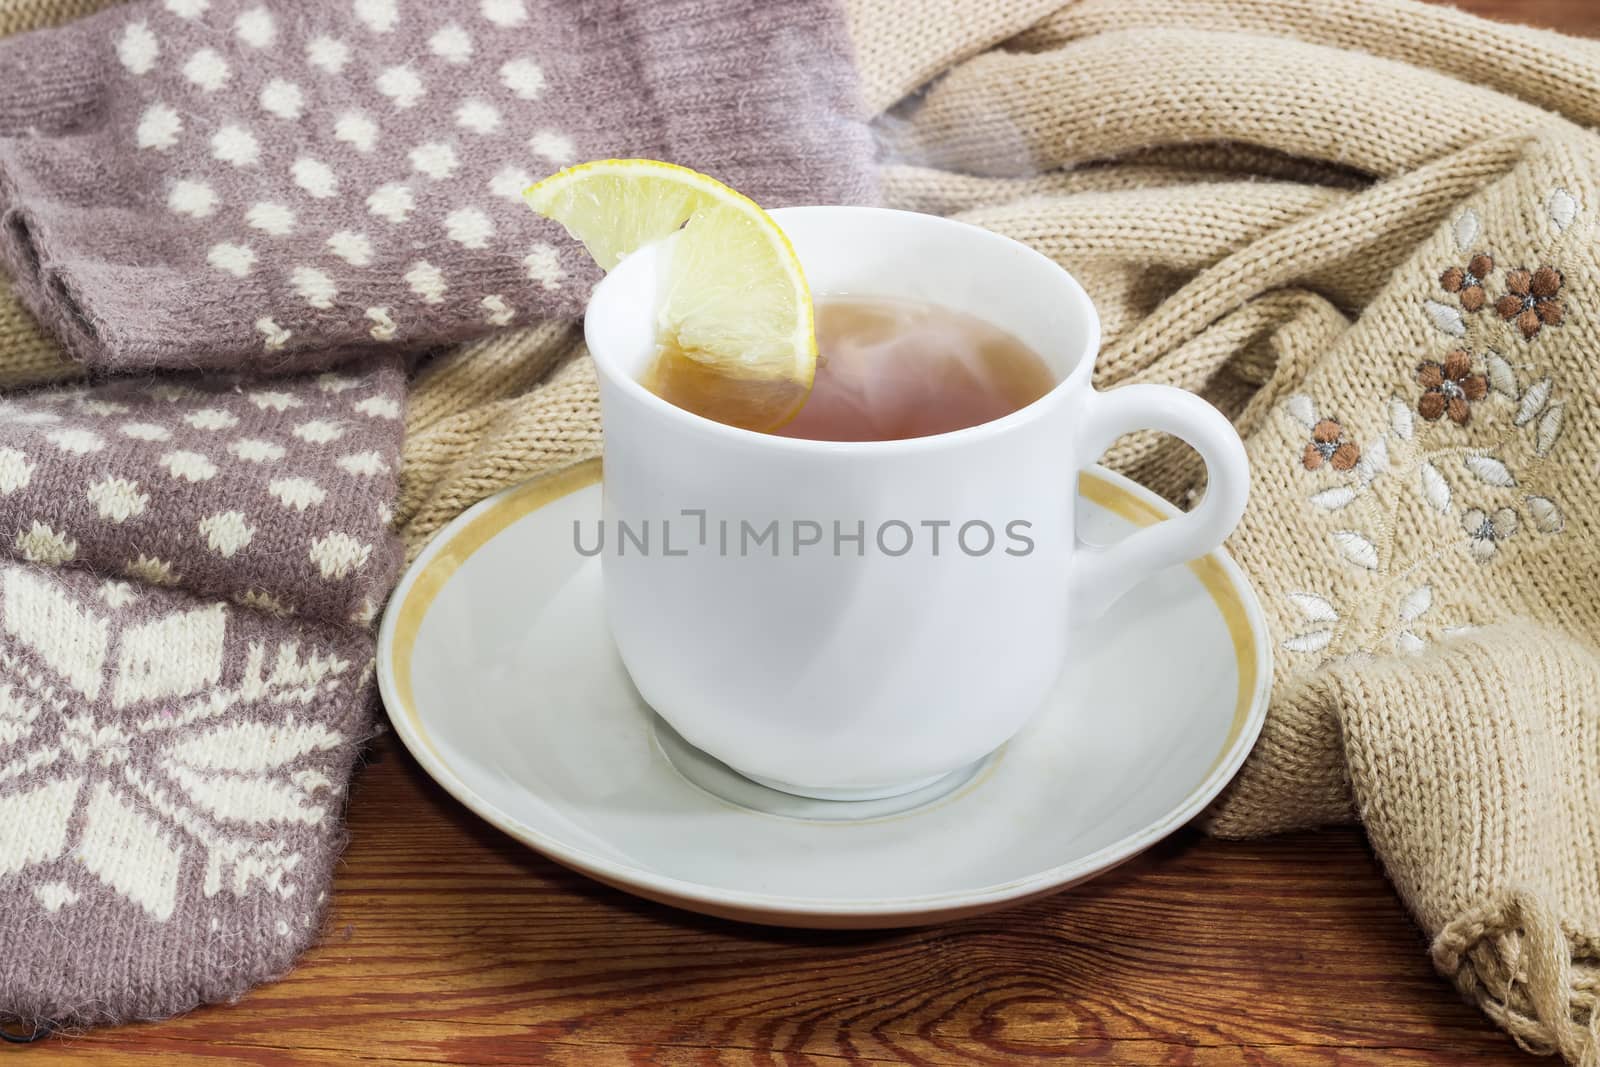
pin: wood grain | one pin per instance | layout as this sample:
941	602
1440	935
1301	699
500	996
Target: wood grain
1580	17
450	943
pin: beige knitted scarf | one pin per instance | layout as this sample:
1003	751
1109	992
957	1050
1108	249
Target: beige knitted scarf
1370	232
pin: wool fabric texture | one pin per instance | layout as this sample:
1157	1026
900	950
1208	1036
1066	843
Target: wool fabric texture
236	184
1368	232
191	563
28	354
186	658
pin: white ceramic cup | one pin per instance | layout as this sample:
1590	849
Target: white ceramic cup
852	670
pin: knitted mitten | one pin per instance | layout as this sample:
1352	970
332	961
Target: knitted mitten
185	676
239	183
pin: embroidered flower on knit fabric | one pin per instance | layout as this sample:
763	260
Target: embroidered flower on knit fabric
1329	445
1467	282
1449	388
1532	300
1486	531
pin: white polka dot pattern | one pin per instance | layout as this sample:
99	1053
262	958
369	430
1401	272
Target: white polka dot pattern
380	16
328	54
221	486
275	219
469	227
330	175
402	85
282	98
207	70
236	145
158	128
544	266
523	77
256	28
437	161
427	281
504	13
509	183
479	116
553	147
138	49
393	202
192	198
187	669
314	287
451	44
370	136
315	177
356	130
352	247
233	259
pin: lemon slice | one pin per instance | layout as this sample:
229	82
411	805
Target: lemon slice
735	325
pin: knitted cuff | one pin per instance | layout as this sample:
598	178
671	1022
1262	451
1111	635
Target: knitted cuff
172	778
225	184
185	677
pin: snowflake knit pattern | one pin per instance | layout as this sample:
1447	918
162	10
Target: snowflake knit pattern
269	186
191	563
185	677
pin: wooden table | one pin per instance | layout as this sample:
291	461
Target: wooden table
450	943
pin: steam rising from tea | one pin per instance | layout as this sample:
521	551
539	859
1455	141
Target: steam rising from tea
886	370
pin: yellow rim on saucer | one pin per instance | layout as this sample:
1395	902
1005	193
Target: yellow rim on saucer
474	529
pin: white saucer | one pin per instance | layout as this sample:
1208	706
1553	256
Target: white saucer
500	677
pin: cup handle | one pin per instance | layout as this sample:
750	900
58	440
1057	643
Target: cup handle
1100	575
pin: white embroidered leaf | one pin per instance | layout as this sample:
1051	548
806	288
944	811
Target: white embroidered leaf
1547	517
1549	429
1491	471
1409	643
1400	418
1504	523
1315	641
1374	461
1313	608
1302	410
1483	548
1501	377
1416	603
1467	229
1533	401
1446	318
1335	498
1563	208
1357	549
1435	488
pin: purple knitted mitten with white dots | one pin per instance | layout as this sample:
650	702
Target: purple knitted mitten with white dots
277	184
